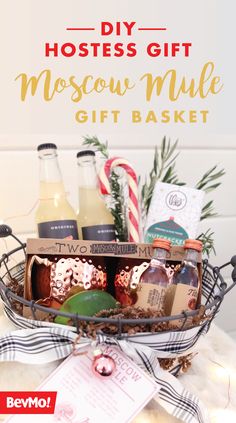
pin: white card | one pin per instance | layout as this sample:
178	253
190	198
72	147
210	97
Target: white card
174	213
85	398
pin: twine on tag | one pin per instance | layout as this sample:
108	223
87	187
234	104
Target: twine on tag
76	346
75	350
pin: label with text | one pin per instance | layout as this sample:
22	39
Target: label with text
85	398
58	229
99	232
150	295
179	298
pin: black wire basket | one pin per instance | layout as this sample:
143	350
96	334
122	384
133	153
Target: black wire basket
214	288
174	346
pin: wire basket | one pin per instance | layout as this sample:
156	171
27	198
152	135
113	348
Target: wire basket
214	288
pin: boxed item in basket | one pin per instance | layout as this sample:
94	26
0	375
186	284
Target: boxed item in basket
174	213
54	267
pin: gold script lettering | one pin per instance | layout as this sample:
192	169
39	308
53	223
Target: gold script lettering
88	85
206	85
33	83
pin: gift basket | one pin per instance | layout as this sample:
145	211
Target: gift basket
39	279
170	341
156	347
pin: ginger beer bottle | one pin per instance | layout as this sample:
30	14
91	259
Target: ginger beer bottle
55	218
95	221
154	280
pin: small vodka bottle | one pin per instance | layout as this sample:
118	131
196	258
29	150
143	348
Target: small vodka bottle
154	280
187	272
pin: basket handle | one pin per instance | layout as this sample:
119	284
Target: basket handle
233	262
5	231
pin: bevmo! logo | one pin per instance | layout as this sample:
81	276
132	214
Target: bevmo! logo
42	402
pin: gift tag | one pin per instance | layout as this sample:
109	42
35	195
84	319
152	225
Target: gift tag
117	394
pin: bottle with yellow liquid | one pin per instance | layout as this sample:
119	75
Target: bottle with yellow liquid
55	218
95	221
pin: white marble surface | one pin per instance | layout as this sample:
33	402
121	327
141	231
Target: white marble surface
215	384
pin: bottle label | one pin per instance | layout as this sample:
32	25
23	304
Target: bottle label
99	233
180	297
58	229
150	296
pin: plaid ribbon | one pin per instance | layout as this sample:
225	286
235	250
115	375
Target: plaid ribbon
42	342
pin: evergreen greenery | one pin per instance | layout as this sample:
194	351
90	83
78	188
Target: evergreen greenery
164	170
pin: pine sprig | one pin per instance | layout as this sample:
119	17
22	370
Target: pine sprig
207	185
163	170
205	182
207	242
208	211
99	146
118	210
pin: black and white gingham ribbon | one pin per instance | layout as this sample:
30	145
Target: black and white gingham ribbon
41	342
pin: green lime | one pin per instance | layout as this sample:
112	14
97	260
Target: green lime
86	303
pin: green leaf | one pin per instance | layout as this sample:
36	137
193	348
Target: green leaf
207	241
208	177
94	142
163	169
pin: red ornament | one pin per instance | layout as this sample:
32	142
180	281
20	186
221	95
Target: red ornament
103	365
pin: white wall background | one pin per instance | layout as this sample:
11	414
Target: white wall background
208	25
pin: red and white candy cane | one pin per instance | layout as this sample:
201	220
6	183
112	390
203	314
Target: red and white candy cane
133	207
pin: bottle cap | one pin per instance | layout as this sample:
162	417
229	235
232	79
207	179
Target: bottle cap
161	243
194	244
46	146
85	153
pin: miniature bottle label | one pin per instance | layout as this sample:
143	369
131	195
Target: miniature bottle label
58	229
185	298
179	298
99	233
150	296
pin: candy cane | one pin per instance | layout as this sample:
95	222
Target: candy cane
133	207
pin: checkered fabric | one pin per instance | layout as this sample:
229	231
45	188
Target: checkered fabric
40	342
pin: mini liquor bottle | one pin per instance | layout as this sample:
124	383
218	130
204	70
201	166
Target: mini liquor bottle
187	273
154	280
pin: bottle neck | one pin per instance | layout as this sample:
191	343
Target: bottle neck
87	172
159	256
51	183
191	257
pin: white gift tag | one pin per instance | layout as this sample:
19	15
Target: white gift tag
85	398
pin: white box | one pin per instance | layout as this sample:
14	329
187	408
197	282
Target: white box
174	213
